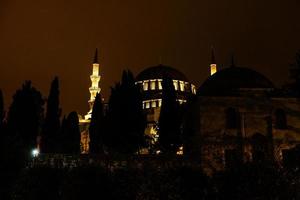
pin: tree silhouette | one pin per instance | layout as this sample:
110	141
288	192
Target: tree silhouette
70	138
96	126
25	116
125	118
169	121
52	120
1	110
295	75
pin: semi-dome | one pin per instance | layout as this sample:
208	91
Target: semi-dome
231	80
160	71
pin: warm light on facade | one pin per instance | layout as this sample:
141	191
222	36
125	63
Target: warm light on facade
175	83
213	69
152	84
181	83
193	89
145	85
159	84
94	89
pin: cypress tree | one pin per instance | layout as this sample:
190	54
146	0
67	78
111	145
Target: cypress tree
96	126
52	122
295	75
125	117
1	110
169	121
25	115
70	138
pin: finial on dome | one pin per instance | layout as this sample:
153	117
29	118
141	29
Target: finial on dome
160	60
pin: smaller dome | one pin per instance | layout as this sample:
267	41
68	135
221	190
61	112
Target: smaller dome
229	80
160	71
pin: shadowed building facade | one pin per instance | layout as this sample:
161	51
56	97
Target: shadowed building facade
239	116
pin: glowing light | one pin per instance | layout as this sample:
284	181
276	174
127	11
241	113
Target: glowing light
193	87
145	85
152	84
213	69
35	152
175	83
159	84
181	86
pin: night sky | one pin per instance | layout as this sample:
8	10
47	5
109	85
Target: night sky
41	39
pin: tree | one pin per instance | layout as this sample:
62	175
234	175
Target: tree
25	116
295	75
170	120
96	126
52	120
125	118
70	138
1	110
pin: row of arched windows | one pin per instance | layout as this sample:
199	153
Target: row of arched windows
156	84
233	118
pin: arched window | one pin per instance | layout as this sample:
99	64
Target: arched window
280	119
232	119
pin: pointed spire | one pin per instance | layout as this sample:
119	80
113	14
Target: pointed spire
96	56
213	58
232	64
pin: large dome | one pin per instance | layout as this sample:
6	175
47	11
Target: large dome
231	80
160	71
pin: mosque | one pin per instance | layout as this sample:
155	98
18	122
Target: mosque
237	114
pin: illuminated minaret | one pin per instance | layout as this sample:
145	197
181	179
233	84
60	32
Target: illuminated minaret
213	64
94	89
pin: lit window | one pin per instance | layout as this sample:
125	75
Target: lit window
193	89
153	104
159	84
175	83
143	105
181	85
146	85
147	104
159	102
152	84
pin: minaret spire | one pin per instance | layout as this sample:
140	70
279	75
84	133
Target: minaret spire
232	64
213	64
213	58
96	56
94	89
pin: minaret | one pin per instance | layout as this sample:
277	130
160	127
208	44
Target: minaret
213	64
94	89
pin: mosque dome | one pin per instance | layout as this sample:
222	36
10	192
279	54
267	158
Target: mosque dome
160	71
150	82
231	80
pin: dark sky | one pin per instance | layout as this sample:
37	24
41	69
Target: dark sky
41	39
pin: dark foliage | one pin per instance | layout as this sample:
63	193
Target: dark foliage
96	129
52	120
294	86
170	137
86	183
70	135
2	113
25	117
252	181
125	119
